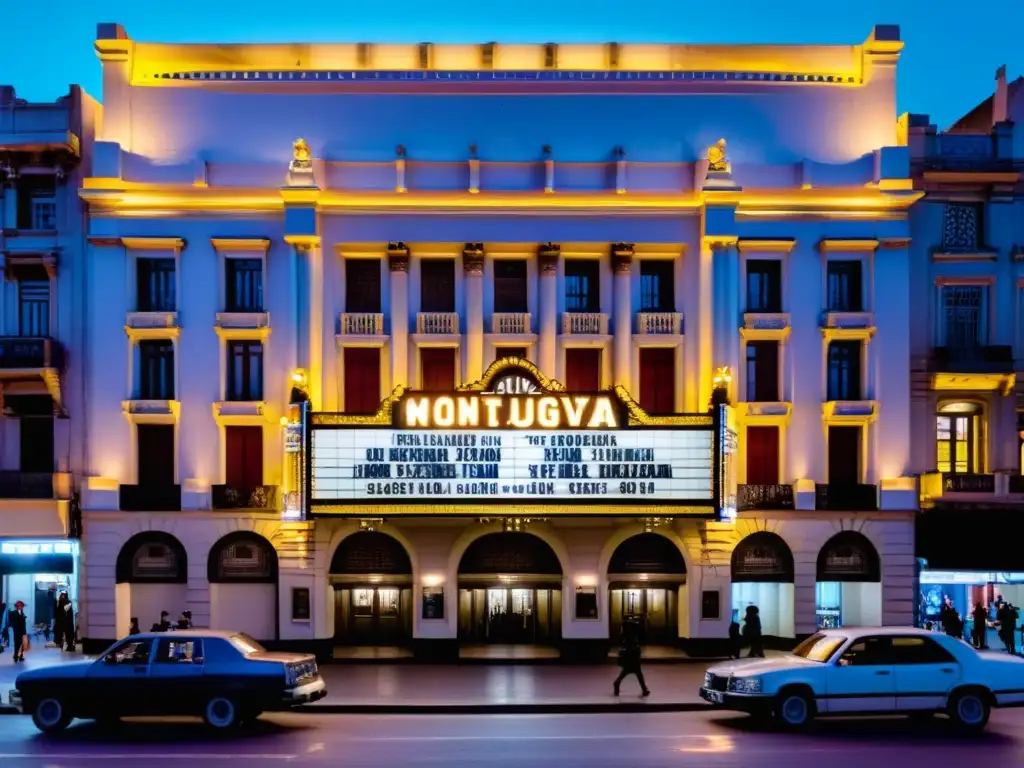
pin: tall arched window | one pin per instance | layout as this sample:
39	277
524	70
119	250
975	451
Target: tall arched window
959	437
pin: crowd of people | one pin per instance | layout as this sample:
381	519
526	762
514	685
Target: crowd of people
999	615
15	627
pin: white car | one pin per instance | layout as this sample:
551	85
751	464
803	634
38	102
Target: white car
871	671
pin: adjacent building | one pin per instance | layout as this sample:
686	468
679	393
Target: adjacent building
967	348
44	153
514	344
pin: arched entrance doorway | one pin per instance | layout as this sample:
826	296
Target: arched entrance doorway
510	590
152	576
762	575
242	571
647	581
372	577
849	583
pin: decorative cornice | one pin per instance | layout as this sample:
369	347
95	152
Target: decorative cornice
893	243
622	258
104	241
303	242
249	244
773	245
847	244
154	243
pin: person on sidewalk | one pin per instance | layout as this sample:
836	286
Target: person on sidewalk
629	658
735	639
980	617
135	629
752	632
58	622
68	621
164	625
19	629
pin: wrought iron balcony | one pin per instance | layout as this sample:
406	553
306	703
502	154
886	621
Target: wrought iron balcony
15	484
967	482
230	497
846	497
30	352
765	497
980	359
150	498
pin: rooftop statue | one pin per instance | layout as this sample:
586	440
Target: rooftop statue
301	157
716	157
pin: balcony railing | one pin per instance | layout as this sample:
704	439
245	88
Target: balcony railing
765	497
15	484
846	497
846	319
229	497
362	323
150	498
583	323
963	482
437	322
30	352
659	323
511	322
243	320
152	320
982	359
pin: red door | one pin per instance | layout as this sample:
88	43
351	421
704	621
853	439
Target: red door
362	379
658	380
438	369
244	457
583	370
762	455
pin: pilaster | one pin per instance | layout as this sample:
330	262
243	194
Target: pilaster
622	268
547	258
473	266
398	264
726	309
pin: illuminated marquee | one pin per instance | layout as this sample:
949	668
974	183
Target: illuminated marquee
518	439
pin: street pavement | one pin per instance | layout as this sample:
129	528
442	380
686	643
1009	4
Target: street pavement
705	739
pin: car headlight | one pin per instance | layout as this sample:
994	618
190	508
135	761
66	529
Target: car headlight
708	679
745	684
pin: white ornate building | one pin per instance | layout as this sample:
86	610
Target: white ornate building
566	209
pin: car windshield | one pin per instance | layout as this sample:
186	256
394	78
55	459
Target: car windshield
819	647
246	644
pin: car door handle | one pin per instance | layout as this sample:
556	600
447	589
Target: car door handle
883	672
947	670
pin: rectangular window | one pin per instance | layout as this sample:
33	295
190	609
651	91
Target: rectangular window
956	436
243	455
762	378
244	284
844	370
245	370
582	285
438	369
658	380
34	307
657	286
764	285
362	379
362	285
179	652
845	292
437	285
582	370
961	226
155	454
510	285
762	455
963	316
156	370
155	285
36	440
37	202
843	455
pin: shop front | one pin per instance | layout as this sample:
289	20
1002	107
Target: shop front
848	591
647	583
37	572
762	577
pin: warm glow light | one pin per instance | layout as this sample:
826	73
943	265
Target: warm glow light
722	377
586	580
284	421
432	580
299	377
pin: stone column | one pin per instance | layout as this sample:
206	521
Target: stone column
314	311
622	269
703	364
547	258
398	263
726	308
473	266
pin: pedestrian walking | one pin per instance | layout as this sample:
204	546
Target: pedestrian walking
19	630
68	621
629	658
735	639
164	624
58	621
752	632
980	616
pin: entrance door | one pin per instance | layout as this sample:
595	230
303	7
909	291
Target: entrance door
653	609
509	615
370	615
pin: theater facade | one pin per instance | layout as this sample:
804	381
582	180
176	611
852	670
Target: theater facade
449	350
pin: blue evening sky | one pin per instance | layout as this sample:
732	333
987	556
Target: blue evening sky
953	47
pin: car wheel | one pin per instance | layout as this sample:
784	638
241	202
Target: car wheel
969	710
50	716
221	713
794	709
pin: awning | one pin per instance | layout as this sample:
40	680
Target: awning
49	563
979	539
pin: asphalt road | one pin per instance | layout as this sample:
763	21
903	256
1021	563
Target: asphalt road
708	740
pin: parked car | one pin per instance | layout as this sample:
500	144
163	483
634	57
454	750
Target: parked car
871	671
223	677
